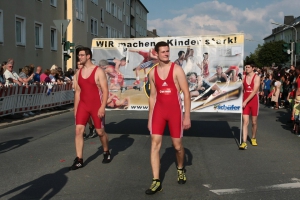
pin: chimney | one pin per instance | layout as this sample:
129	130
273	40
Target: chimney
154	32
289	19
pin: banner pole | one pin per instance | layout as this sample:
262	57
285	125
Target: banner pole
241	128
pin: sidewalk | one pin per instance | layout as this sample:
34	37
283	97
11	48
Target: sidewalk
17	119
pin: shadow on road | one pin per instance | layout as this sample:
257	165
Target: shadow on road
168	158
116	145
45	187
218	129
13	144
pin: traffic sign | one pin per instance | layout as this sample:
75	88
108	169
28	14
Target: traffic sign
61	25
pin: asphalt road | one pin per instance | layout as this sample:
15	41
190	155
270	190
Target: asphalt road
35	158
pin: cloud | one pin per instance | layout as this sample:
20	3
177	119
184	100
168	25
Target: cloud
213	17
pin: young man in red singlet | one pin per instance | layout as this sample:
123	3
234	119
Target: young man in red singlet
91	93
250	104
166	81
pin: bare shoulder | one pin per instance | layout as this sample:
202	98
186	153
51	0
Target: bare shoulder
178	70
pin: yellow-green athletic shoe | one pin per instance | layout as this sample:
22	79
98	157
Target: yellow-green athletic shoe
243	146
253	142
155	187
181	179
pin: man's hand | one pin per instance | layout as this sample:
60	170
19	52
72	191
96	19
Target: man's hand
101	112
244	104
186	123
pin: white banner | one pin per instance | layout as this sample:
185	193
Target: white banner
213	65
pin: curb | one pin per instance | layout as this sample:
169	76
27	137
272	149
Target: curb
4	124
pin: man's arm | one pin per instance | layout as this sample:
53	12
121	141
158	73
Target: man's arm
254	92
77	92
187	53
152	97
183	84
117	65
104	88
151	55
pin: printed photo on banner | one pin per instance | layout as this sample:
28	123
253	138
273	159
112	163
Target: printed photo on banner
213	66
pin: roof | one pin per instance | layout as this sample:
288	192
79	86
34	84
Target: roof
143	6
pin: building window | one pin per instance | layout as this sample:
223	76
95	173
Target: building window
1	26
95	1
123	8
53	39
128	2
108	31
38	29
53	3
112	11
120	14
79	10
127	21
20	31
94	26
108	6
102	15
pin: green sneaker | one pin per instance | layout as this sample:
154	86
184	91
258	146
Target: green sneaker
243	146
181	179
155	187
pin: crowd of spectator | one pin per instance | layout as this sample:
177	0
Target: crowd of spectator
30	75
280	88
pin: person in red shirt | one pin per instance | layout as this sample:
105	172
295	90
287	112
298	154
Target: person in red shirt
167	79
250	104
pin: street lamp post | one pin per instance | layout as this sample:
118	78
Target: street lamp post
294	52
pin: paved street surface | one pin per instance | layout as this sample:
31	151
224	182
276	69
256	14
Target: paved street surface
35	157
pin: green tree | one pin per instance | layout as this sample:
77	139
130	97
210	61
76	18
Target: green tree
272	52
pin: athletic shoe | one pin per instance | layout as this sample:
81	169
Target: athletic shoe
298	135
78	163
137	82
137	88
30	113
84	136
25	115
253	142
181	179
155	187
281	106
243	146
106	157
92	132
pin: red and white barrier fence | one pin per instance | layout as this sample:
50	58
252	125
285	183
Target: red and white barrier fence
17	99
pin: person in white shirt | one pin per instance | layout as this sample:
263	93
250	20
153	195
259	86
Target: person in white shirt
10	75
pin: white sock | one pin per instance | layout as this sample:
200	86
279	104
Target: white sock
137	78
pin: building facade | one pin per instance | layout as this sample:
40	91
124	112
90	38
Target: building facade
29	35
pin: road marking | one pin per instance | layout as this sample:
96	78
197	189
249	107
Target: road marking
284	186
228	191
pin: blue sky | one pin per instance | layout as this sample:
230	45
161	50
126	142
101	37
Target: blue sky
205	17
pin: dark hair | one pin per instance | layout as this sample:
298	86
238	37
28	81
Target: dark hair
180	53
205	54
160	44
191	73
3	63
47	71
124	58
87	51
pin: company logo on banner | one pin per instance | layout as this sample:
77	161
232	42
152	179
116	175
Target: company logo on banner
213	65
225	107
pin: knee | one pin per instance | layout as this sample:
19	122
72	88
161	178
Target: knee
254	123
178	147
79	130
100	132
